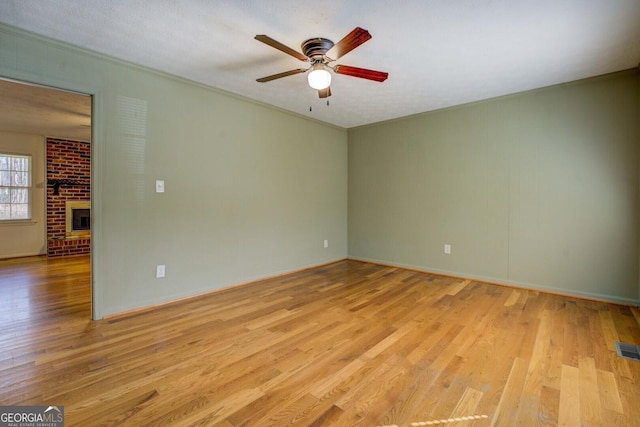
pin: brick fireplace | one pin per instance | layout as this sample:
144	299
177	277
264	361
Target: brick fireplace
68	188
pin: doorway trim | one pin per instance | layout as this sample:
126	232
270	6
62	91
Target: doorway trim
97	156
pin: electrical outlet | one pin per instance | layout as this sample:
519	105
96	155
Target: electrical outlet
159	271
447	248
326	244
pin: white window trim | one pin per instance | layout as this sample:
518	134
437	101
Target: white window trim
29	220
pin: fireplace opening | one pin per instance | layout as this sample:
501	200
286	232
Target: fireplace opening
78	221
81	219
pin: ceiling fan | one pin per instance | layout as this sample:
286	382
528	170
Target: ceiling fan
320	52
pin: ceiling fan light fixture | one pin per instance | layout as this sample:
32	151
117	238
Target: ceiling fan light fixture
319	78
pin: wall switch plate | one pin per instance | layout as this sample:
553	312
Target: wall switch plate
159	271
159	186
447	248
326	243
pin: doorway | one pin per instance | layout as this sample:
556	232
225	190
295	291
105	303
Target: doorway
52	128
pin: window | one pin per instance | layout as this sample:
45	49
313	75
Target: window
15	187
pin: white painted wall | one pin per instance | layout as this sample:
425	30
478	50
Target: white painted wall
26	238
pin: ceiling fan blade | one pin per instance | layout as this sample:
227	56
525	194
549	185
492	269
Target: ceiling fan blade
280	75
349	42
363	73
276	44
324	93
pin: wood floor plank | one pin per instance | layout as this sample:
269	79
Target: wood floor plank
467	404
504	413
569	409
609	395
549	403
350	343
590	404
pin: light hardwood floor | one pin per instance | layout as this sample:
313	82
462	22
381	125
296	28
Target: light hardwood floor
346	344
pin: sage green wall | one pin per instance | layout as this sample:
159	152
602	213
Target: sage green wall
251	191
538	189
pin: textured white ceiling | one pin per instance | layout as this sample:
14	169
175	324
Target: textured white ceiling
43	111
438	53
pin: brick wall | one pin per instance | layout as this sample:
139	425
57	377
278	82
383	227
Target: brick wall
69	161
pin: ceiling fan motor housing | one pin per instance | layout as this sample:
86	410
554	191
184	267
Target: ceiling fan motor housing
316	48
